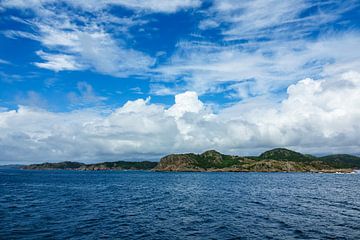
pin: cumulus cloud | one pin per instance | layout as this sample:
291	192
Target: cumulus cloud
256	54
317	116
184	103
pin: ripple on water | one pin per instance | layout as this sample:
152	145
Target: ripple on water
150	205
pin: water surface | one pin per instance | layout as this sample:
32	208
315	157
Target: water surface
153	205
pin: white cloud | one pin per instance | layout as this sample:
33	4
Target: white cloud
254	19
320	114
161	90
58	62
166	6
253	70
96	50
2	61
76	41
184	103
5	77
86	96
317	116
208	23
31	98
262	51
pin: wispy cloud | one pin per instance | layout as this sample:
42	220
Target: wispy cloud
272	19
58	62
31	99
85	96
261	50
10	78
77	42
158	6
269	66
2	61
90	5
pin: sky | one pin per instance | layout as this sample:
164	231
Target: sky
109	80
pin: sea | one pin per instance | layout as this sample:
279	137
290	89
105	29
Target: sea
177	205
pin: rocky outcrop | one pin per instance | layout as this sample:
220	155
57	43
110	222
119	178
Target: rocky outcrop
178	162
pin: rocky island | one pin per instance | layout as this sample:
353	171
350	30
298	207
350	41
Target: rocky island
275	160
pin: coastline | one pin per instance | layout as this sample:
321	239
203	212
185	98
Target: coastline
331	171
275	160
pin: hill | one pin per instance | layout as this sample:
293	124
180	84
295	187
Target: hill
275	160
342	160
283	154
119	165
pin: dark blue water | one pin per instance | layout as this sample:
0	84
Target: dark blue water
150	205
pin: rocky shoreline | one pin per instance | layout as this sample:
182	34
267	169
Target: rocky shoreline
275	160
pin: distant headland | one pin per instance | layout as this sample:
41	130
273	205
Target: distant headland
275	160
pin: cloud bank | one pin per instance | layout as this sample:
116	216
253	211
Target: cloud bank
317	116
246	59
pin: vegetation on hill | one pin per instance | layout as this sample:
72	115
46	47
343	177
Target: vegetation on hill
283	154
342	160
119	165
275	160
61	165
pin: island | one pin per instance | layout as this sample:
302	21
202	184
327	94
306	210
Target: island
68	165
275	160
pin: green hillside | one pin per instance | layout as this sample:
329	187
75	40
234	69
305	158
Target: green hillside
275	160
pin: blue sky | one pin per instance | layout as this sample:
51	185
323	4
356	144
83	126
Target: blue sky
139	79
